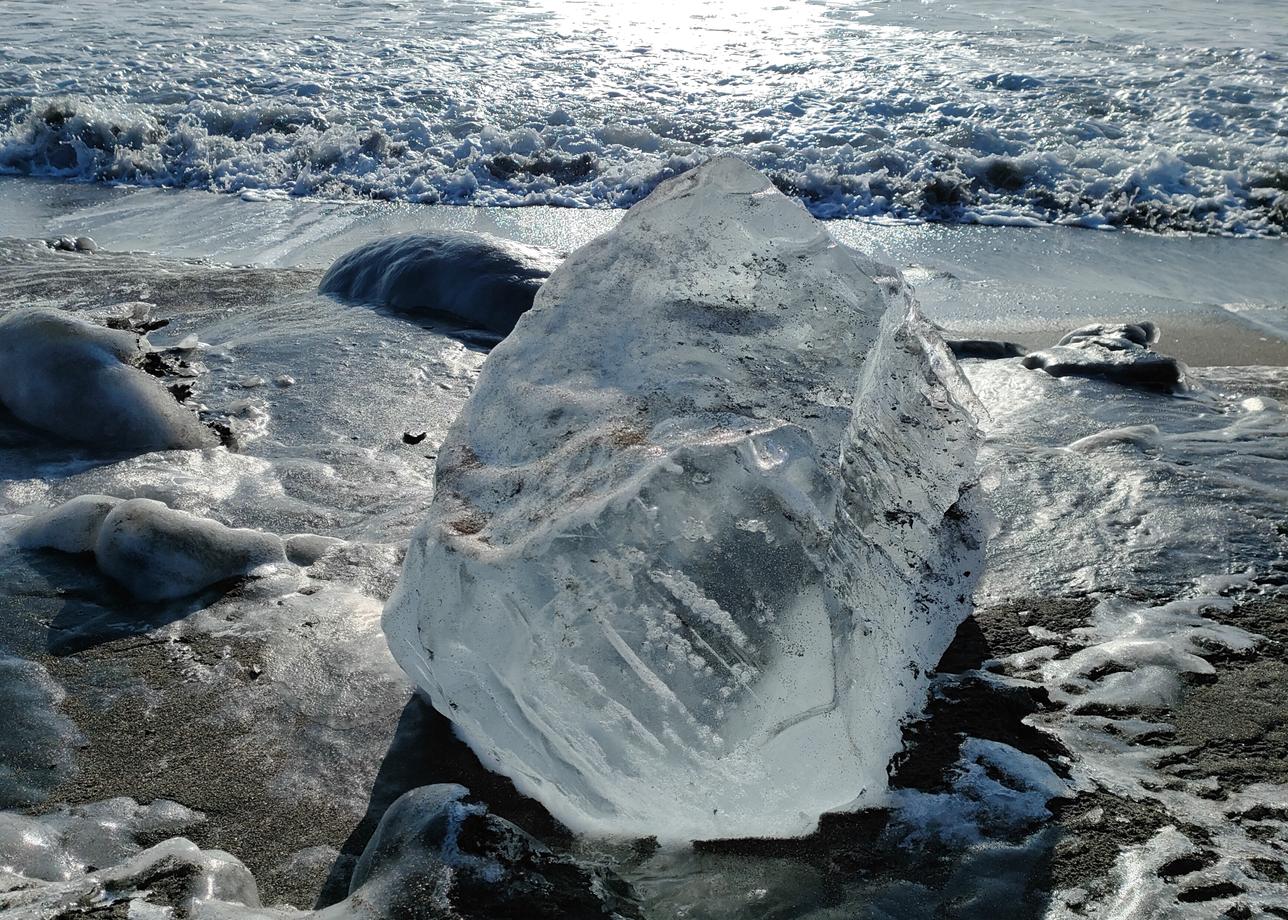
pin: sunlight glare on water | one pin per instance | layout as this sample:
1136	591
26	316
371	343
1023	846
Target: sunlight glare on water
996	111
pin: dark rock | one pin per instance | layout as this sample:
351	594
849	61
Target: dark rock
156	364
1185	865
986	349
409	438
222	428
437	854
133	324
1209	892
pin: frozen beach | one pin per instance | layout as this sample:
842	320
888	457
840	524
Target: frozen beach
1218	300
1120	671
599	460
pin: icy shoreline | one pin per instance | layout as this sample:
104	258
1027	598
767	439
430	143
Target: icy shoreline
247	706
1218	301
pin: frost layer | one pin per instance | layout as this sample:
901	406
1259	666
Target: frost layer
702	526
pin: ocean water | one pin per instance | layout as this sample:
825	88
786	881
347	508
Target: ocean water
1168	117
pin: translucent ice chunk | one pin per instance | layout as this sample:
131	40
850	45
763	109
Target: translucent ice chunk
702	527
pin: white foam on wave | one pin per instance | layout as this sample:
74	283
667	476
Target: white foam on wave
952	114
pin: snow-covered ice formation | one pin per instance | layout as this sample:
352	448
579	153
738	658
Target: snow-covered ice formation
482	280
1121	352
75	380
701	529
72	527
156	552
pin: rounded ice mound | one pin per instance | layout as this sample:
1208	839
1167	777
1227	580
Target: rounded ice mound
159	553
72	527
174	878
703	526
481	280
75	380
156	552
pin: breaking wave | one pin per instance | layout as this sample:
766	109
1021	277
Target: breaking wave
870	111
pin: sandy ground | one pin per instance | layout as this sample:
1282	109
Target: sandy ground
159	740
153	727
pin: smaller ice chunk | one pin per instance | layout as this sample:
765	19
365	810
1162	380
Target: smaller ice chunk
159	553
74	839
72	527
77	381
481	280
175	878
155	552
1121	352
434	845
74	244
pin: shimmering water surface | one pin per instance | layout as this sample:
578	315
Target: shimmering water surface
1163	116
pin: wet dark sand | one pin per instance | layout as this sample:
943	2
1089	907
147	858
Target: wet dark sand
167	736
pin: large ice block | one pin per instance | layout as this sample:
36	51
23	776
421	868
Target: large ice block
702	528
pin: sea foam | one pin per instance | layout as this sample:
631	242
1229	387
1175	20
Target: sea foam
954	114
